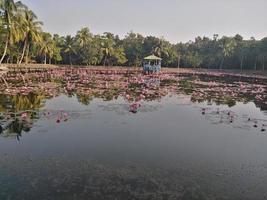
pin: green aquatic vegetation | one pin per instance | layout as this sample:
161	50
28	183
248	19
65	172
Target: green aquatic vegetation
187	86
110	94
134	86
167	82
84	99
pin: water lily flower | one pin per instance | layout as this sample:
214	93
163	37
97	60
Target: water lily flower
24	115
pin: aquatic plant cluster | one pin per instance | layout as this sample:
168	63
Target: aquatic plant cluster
22	103
25	90
134	85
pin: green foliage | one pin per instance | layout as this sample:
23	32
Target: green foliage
22	40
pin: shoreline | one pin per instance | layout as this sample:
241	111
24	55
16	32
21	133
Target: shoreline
12	67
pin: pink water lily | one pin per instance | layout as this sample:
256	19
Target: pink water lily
24	115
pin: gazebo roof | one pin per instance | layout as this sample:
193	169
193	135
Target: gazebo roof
152	57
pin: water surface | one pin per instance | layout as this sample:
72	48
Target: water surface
198	152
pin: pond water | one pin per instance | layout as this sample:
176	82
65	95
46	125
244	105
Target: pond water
173	146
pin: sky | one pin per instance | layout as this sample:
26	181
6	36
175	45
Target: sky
175	20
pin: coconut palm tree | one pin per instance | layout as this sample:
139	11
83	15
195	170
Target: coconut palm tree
69	47
46	46
107	51
32	32
107	46
11	22
84	37
161	48
227	46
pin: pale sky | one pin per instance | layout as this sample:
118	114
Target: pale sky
175	20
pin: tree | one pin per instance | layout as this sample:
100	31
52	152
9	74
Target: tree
22	39
118	56
107	45
263	50
11	26
227	46
46	46
83	37
133	48
69	47
32	32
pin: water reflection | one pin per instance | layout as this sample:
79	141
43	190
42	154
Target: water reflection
137	91
118	136
15	128
18	113
17	103
85	99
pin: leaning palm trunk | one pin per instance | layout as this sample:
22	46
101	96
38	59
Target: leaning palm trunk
4	54
27	53
24	49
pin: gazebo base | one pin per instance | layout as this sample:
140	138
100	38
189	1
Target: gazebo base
151	68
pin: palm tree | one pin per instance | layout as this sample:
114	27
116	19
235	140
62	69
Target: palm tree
46	46
161	48
83	37
119	56
32	32
11	22
107	46
227	46
107	52
69	47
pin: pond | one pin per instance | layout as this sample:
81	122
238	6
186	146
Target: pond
106	134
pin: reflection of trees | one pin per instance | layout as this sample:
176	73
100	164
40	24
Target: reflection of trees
16	127
12	105
29	102
261	105
85	98
106	95
21	102
218	100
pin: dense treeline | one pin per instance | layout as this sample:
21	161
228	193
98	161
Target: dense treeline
23	41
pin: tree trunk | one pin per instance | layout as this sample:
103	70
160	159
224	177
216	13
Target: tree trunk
263	63
4	54
27	53
70	59
24	49
179	58
241	63
221	65
255	64
105	60
8	59
45	60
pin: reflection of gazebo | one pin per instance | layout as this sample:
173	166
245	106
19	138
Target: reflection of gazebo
152	63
